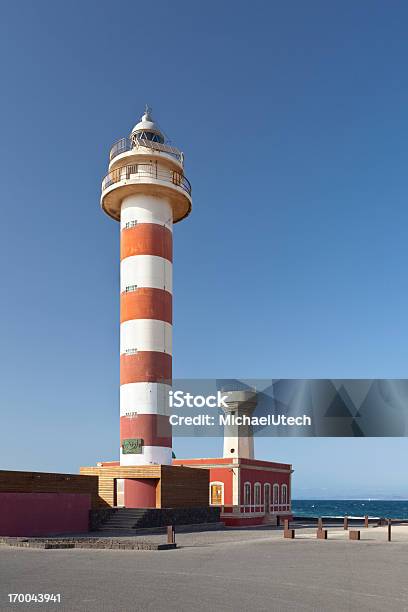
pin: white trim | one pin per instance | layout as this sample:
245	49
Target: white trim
235	463
284	499
267	484
257	485
236	479
250	495
275	502
262	469
217	482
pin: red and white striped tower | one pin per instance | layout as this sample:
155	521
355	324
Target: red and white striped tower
146	191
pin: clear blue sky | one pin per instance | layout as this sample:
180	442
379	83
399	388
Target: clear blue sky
293	119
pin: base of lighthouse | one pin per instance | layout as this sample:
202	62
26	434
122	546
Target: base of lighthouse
243	491
149	486
139	493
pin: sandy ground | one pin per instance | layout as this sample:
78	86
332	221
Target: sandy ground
251	569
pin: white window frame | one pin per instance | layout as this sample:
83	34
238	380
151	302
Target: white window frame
257	487
275	502
267	485
247	483
284	494
217	482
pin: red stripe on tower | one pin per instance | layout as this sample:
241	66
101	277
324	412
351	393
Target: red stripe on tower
146	366
146	303
147	239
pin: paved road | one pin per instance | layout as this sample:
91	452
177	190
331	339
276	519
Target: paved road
219	571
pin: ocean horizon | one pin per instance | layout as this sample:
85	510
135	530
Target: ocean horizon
354	508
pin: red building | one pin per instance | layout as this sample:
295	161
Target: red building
251	492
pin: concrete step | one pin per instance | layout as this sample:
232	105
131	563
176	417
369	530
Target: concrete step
119	529
118	517
131	521
109	526
124	519
121	524
127	516
120	521
135	517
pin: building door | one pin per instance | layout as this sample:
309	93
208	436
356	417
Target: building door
267	498
216	494
119	492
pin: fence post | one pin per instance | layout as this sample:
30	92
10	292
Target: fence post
287	532
171	534
345	524
389	530
320	523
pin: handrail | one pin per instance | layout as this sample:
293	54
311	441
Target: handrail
141	171
127	144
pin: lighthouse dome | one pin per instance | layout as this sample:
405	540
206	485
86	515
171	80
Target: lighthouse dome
147	129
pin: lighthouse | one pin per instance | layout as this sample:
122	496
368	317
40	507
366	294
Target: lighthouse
146	191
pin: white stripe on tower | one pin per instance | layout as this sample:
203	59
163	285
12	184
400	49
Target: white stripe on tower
145	271
146	328
150	211
145	335
151	454
149	398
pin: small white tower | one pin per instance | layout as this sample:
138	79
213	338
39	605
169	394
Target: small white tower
239	439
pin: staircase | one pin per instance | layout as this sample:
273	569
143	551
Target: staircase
125	519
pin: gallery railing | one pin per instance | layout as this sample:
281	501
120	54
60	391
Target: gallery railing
129	143
146	171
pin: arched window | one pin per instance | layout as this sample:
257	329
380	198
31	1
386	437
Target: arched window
257	494
216	493
247	494
276	494
284	494
267	497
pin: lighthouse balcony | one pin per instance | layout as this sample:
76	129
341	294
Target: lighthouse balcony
144	173
150	178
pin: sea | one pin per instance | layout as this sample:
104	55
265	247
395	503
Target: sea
375	508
